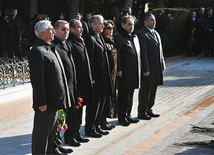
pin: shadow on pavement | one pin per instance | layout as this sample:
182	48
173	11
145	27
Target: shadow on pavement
22	144
199	150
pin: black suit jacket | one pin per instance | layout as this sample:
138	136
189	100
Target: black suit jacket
47	78
209	26
192	25
83	69
69	67
152	59
85	29
99	63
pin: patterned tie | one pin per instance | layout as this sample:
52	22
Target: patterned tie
82	41
65	46
153	32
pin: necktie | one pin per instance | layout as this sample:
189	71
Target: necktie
65	46
99	39
153	32
82	41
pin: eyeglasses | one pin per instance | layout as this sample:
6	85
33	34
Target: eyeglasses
109	28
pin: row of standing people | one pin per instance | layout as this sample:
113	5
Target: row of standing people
200	27
15	34
64	67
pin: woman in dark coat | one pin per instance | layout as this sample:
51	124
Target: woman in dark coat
112	57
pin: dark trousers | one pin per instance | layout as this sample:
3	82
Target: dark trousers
194	47
201	43
209	46
57	140
125	101
16	44
146	99
74	121
94	113
44	129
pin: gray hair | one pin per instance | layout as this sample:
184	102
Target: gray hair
94	19
41	26
56	25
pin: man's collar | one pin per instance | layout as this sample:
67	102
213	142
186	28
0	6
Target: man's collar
150	29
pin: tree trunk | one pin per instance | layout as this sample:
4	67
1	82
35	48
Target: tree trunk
82	6
106	9
159	3
74	8
128	3
33	8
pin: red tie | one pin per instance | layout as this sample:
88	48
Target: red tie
82	41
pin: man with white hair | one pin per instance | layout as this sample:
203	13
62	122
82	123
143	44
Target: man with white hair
50	91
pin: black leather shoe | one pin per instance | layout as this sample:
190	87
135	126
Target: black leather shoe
100	131
112	126
132	120
105	126
151	114
81	139
93	134
56	151
63	150
144	116
123	122
72	142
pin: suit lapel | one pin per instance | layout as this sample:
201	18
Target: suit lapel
64	77
99	40
79	44
151	35
72	60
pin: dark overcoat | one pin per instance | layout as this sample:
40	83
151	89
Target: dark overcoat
69	67
83	69
99	63
46	78
128	60
19	27
152	59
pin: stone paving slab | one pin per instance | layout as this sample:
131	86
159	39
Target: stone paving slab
173	144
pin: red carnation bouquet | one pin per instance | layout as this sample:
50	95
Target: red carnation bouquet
61	118
61	121
80	100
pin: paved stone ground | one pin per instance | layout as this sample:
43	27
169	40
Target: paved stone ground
185	99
